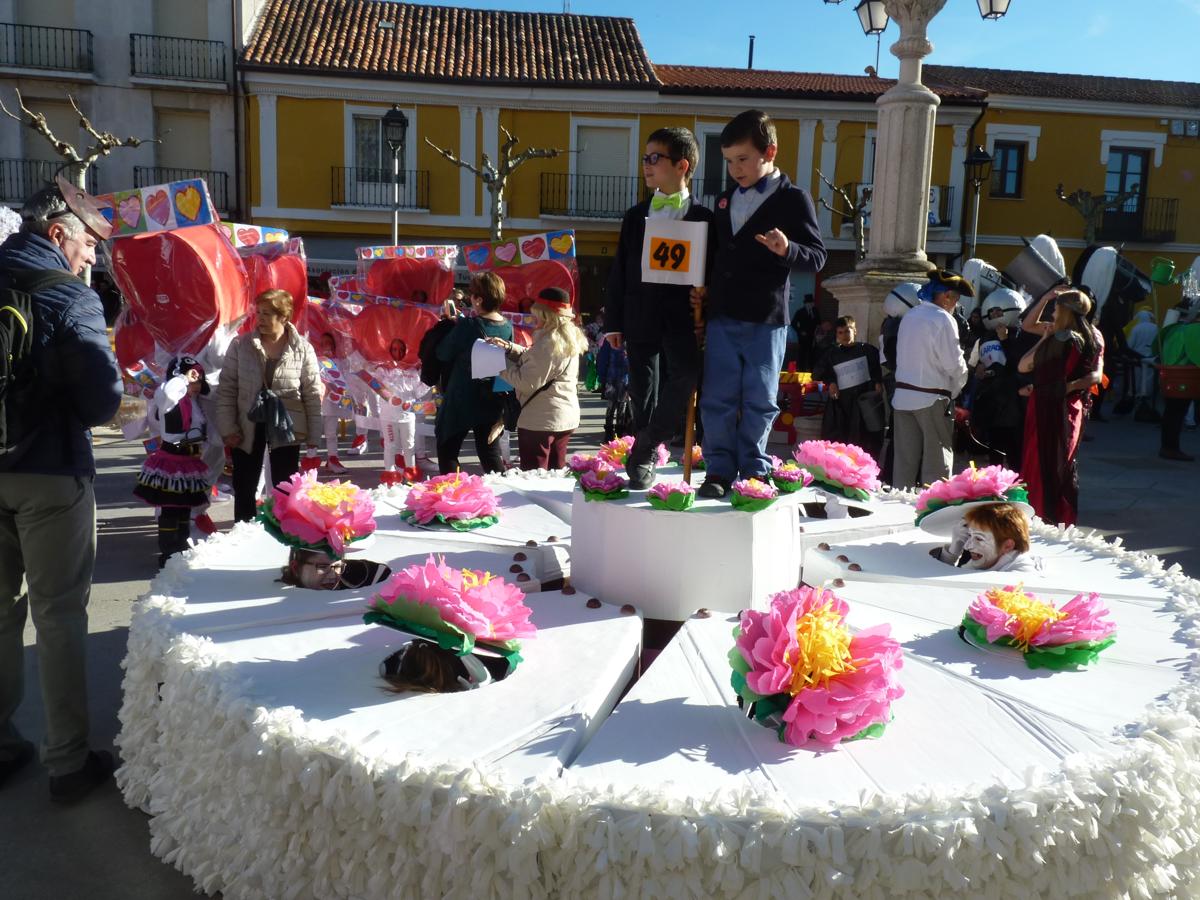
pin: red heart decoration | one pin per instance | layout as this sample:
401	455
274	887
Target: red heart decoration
534	247
248	237
523	283
381	332
159	207
419	280
272	266
131	340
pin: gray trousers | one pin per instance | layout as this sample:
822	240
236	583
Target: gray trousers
924	441
47	541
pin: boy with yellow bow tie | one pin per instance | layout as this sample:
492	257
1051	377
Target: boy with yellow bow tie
654	321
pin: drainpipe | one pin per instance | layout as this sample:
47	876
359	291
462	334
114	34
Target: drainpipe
238	118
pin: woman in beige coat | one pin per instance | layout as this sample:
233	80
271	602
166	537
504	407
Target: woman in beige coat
274	356
545	378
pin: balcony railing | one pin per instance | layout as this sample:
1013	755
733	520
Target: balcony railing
218	182
941	204
359	186
1147	220
42	47
589	196
181	59
21	178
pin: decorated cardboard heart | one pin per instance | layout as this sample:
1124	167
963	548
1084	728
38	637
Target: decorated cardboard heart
506	252
533	248
158	207
478	255
187	203
562	244
129	210
248	236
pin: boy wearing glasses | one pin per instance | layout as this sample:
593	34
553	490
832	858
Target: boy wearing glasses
765	228
654	321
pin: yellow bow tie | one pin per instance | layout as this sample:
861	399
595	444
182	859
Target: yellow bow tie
675	201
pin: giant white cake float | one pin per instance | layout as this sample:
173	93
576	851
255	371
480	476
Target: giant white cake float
256	735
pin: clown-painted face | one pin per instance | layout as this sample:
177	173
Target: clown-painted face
981	544
318	573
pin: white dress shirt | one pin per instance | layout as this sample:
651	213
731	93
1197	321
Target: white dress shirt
744	204
928	356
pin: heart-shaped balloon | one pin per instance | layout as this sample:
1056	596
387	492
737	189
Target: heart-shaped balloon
523	283
418	280
131	340
273	266
386	335
182	284
326	322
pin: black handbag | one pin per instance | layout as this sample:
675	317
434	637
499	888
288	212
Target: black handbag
277	422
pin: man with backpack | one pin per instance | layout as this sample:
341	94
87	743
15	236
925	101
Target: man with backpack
58	378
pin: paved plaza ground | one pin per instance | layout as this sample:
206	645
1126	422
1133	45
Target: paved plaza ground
99	849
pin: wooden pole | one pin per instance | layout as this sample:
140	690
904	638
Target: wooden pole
689	426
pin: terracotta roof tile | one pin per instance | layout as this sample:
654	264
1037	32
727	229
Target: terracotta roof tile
441	43
709	80
1069	87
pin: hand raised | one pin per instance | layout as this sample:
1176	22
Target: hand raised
774	240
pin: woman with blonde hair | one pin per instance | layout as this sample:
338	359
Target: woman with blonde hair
545	377
272	364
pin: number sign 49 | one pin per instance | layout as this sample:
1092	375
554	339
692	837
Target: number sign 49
669	255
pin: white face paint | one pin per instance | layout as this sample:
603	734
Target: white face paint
981	544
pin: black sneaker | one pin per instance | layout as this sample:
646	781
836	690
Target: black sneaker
76	785
714	488
11	767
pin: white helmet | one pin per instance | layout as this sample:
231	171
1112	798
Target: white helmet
1048	248
901	299
1003	306
984	277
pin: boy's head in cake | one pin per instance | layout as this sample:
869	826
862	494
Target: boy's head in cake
671	159
423	667
990	536
749	145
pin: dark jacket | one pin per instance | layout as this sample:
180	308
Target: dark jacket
645	312
82	385
468	402
748	281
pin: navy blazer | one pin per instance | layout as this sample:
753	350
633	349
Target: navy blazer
646	312
748	281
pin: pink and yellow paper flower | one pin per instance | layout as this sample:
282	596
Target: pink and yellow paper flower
579	463
698	457
971	485
306	513
807	675
841	467
602	483
672	495
752	494
616	452
789	477
455	607
1068	637
457	499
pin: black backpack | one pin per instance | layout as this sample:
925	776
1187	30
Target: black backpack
19	385
434	371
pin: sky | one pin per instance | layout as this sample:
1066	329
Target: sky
1130	38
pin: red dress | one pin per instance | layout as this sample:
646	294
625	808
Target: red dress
1053	425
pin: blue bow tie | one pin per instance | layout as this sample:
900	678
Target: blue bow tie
760	185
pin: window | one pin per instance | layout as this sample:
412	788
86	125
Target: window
185	139
370	150
714	177
1126	173
1008	164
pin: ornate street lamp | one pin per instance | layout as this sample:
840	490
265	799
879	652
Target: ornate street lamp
993	9
872	16
395	133
979	170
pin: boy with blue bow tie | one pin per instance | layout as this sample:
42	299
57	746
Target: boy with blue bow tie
654	321
766	227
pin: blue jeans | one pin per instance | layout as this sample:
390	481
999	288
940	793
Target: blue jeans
742	362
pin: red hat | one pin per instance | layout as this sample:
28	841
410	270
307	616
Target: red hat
555	298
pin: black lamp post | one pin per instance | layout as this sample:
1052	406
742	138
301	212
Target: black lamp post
979	170
395	133
993	9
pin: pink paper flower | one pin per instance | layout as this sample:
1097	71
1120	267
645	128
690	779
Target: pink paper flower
455	496
581	462
664	489
755	489
697	456
616	451
314	513
799	652
989	483
479	604
1011	612
839	465
791	472
602	481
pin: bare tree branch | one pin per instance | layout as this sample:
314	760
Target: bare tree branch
531	153
38	123
1093	207
487	174
106	141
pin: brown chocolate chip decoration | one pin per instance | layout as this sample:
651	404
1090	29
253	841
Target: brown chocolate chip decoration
552	539
823	546
515	568
593	604
855	567
837	582
627	610
523	577
702	613
519	557
843	558
568	590
531	543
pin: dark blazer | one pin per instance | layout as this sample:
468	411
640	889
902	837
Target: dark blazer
645	312
748	281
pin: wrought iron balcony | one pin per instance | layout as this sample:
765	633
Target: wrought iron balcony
218	182
21	178
42	47
1146	220
589	196
941	204
359	186
180	59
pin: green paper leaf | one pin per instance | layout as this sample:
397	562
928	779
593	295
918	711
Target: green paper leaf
869	733
787	487
749	504
675	502
596	496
